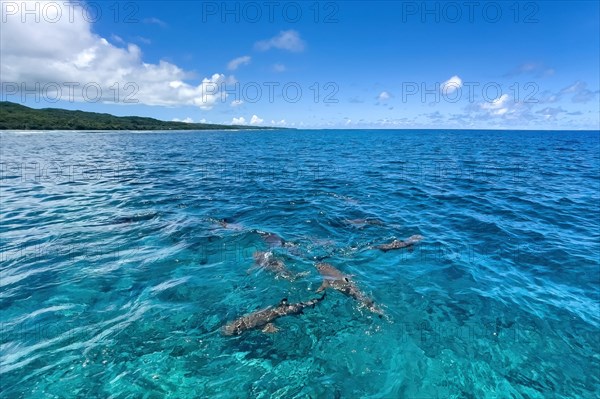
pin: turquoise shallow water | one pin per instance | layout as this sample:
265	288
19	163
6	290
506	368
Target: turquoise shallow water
116	278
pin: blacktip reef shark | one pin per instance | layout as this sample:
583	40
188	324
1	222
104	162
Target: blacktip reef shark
269	262
333	278
264	318
272	239
398	244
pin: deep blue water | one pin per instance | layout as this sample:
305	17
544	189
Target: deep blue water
116	277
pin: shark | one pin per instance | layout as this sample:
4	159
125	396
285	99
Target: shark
268	261
333	278
263	318
398	244
272	239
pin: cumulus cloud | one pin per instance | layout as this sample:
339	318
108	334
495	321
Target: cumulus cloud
498	107
186	120
155	21
280	123
506	111
52	54
142	39
255	120
384	96
117	39
237	62
286	40
503	111
236	103
550	113
574	88
579	92
238	121
451	85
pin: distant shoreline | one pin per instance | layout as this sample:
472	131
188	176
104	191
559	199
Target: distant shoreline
268	128
15	117
19	117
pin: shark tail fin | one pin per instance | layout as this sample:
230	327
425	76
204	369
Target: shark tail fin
323	286
313	302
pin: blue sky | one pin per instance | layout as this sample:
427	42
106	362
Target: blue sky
463	65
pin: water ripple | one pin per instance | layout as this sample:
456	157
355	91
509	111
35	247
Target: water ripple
124	253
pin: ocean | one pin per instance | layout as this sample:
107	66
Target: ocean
125	253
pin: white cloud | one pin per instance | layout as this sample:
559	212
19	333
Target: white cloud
279	68
155	21
186	120
255	120
237	62
238	121
574	88
286	40
384	96
550	113
117	39
70	51
580	92
498	107
142	39
504	109
236	103
280	123
451	85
